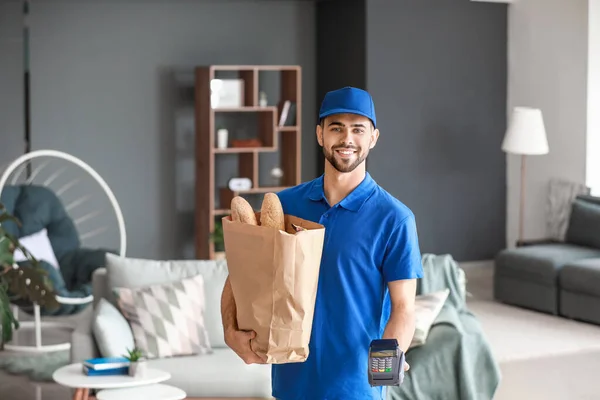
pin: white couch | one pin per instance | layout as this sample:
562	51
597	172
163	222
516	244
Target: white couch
219	374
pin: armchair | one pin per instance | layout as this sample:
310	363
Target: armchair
51	220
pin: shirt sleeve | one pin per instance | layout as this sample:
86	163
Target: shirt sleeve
402	258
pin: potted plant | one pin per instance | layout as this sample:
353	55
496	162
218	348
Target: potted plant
137	362
26	282
217	238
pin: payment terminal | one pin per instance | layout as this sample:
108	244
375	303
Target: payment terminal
386	363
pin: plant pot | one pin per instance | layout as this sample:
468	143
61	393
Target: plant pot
137	368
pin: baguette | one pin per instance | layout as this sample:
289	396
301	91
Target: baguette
271	212
241	211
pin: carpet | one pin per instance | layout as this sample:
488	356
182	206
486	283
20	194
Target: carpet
38	367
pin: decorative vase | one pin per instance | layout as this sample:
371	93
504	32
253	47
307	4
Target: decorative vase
137	368
222	137
263	99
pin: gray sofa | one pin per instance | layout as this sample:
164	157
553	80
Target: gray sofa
220	374
560	278
456	347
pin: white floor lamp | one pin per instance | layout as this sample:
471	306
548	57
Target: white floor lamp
525	135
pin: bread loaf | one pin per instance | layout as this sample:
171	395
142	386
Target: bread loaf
271	212
241	211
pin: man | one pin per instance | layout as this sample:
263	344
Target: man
370	262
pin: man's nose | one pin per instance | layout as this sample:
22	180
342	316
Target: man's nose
347	139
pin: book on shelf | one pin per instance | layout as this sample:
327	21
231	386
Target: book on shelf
106	363
288	114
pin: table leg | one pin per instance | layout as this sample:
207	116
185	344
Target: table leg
81	394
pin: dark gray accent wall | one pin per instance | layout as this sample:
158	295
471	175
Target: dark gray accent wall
437	72
105	88
11	83
341	50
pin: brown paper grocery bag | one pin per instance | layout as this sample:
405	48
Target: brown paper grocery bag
274	277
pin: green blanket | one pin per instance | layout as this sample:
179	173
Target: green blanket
456	362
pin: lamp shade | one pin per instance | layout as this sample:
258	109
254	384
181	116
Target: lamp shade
526	133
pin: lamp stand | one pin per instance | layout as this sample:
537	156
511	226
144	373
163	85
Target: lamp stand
522	201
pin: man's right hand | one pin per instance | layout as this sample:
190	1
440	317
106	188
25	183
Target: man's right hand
239	342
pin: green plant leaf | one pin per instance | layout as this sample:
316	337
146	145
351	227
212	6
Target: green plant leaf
6	254
32	284
7	319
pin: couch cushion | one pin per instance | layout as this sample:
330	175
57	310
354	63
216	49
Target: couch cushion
584	223
39	246
167	319
582	276
135	272
39	207
220	374
111	330
540	263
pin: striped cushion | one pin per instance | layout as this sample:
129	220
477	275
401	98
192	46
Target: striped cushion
167	320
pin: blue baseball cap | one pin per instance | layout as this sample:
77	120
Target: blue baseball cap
348	100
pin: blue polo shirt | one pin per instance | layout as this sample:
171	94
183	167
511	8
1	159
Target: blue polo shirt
370	239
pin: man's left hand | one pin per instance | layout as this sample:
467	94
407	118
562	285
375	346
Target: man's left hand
406	366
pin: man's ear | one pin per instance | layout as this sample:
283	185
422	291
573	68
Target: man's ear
374	137
319	132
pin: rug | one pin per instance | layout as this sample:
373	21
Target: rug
38	367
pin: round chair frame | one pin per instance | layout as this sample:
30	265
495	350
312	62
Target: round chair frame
37	323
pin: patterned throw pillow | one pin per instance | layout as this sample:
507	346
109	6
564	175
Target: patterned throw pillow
167	320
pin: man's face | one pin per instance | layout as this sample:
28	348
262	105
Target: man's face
346	140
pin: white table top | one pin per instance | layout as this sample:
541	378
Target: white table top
148	392
73	376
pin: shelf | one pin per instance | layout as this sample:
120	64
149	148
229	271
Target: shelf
236	150
226	195
221	211
245	109
237	68
260	190
246	120
259	122
287	128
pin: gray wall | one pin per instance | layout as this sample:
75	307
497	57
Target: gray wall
11	82
437	72
105	90
341	50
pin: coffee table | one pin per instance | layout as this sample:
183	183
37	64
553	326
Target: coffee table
150	392
72	376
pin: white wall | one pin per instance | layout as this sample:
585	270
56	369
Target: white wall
547	45
593	107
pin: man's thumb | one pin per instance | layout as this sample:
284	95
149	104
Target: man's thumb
251	335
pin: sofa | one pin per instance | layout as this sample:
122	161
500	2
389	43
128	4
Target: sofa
455	360
556	277
220	373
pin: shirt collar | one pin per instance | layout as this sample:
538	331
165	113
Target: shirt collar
353	201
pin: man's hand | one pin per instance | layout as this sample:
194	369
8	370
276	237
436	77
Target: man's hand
239	341
406	366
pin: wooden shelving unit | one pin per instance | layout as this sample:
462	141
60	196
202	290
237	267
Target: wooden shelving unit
273	137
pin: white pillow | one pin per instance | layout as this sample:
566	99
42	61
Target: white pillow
38	244
112	332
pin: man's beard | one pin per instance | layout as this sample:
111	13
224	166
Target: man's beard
345	165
